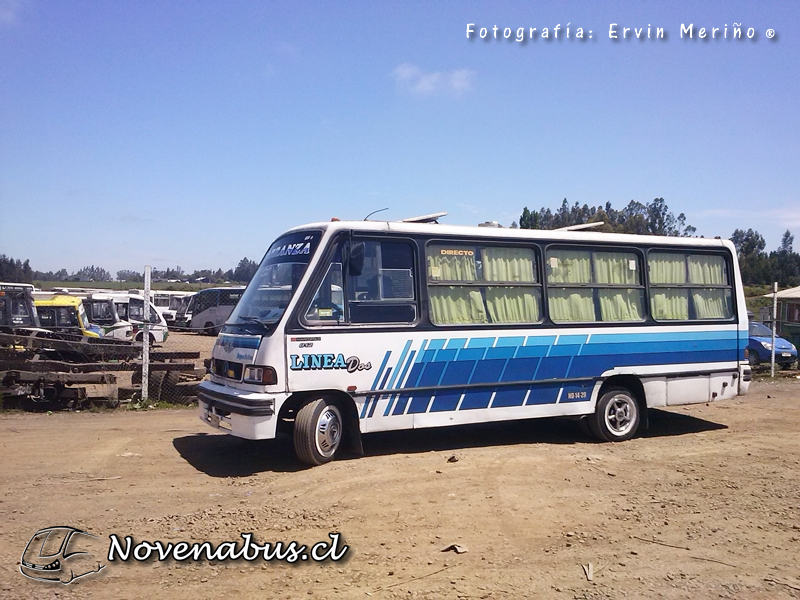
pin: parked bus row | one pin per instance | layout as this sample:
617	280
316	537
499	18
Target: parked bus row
120	315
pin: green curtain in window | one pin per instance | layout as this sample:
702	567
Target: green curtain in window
620	305
456	305
449	267
616	267
667	267
712	304
707	270
512	305
569	266
571	305
669	305
508	264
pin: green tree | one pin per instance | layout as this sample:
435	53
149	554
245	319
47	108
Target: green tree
245	270
15	271
132	276
653	218
93	273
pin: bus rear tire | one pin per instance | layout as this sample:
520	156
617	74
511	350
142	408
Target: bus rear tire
616	417
318	430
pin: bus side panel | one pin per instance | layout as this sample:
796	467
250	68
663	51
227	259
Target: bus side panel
475	376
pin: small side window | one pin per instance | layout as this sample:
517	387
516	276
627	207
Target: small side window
594	285
689	287
476	284
383	291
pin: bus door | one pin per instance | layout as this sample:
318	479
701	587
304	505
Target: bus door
358	323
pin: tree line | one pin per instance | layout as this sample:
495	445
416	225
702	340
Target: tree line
18	271
653	218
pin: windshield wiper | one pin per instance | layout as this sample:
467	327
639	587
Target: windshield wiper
250	319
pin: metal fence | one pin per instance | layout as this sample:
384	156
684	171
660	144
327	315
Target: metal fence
67	362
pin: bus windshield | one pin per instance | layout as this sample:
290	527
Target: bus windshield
272	287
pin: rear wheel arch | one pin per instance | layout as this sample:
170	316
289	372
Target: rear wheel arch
630	384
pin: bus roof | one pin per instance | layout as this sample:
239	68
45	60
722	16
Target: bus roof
58	300
504	233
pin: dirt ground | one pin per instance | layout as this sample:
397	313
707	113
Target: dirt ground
703	505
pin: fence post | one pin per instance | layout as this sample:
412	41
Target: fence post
146	336
774	323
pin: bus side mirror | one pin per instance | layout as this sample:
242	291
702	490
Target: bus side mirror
355	262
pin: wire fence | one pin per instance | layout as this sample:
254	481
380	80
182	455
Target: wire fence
69	349
71	372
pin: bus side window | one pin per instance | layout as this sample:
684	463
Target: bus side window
384	291
47	316
328	303
20	312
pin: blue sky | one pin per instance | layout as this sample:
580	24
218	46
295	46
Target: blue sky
192	133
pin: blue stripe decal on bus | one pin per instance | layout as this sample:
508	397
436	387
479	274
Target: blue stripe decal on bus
399	361
421	350
389	405
235	341
377	397
487	360
375	383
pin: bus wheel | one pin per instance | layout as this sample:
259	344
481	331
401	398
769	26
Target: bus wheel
317	431
209	329
616	417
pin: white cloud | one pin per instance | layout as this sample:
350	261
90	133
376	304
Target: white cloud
419	83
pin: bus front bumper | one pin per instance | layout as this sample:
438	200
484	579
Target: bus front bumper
247	415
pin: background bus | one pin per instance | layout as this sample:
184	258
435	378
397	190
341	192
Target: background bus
102	311
168	302
210	308
131	308
65	314
17	309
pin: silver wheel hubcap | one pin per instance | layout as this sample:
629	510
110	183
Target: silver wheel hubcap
329	431
620	415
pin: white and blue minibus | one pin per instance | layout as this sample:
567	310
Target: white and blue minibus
351	327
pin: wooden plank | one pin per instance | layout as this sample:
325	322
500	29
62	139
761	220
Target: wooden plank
33	377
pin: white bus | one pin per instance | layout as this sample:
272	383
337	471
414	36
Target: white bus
102	311
211	307
168	302
130	307
441	325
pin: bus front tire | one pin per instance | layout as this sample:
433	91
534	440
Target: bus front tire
150	337
616	417
318	430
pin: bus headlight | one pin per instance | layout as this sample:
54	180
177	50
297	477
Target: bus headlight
260	375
